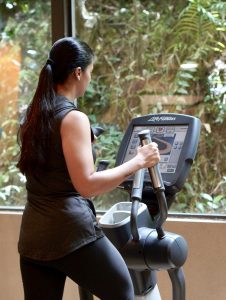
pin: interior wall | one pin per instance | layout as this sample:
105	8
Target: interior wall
205	268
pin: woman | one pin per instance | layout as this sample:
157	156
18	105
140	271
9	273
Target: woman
59	235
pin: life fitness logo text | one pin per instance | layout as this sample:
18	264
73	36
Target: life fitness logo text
163	118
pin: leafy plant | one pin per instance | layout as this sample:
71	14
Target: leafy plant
11	181
108	143
215	99
196	38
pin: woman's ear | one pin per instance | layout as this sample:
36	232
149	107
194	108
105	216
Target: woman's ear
77	73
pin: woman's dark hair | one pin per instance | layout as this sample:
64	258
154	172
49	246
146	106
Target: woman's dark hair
66	55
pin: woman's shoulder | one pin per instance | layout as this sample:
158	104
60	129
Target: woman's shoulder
75	118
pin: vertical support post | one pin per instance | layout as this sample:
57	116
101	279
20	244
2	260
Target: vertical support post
73	19
63	24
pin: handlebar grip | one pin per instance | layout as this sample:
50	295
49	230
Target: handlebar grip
138	183
156	177
103	164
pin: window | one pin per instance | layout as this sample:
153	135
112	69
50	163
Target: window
25	38
149	59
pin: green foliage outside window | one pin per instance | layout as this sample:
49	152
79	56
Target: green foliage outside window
142	48
26	25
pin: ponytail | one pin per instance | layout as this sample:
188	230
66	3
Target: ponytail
36	130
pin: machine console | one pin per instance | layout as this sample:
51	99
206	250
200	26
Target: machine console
177	137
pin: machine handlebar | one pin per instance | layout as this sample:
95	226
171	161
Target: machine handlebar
156	178
158	186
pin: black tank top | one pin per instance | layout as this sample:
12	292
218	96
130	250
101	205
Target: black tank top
56	219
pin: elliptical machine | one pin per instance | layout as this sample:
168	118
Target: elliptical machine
136	227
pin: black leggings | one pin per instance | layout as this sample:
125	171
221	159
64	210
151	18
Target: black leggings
97	267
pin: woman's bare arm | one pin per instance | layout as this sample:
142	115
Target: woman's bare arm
76	142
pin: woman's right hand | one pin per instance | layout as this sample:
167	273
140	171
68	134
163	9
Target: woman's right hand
148	155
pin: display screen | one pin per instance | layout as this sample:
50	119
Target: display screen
170	140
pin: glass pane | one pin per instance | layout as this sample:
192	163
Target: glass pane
24	41
150	59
